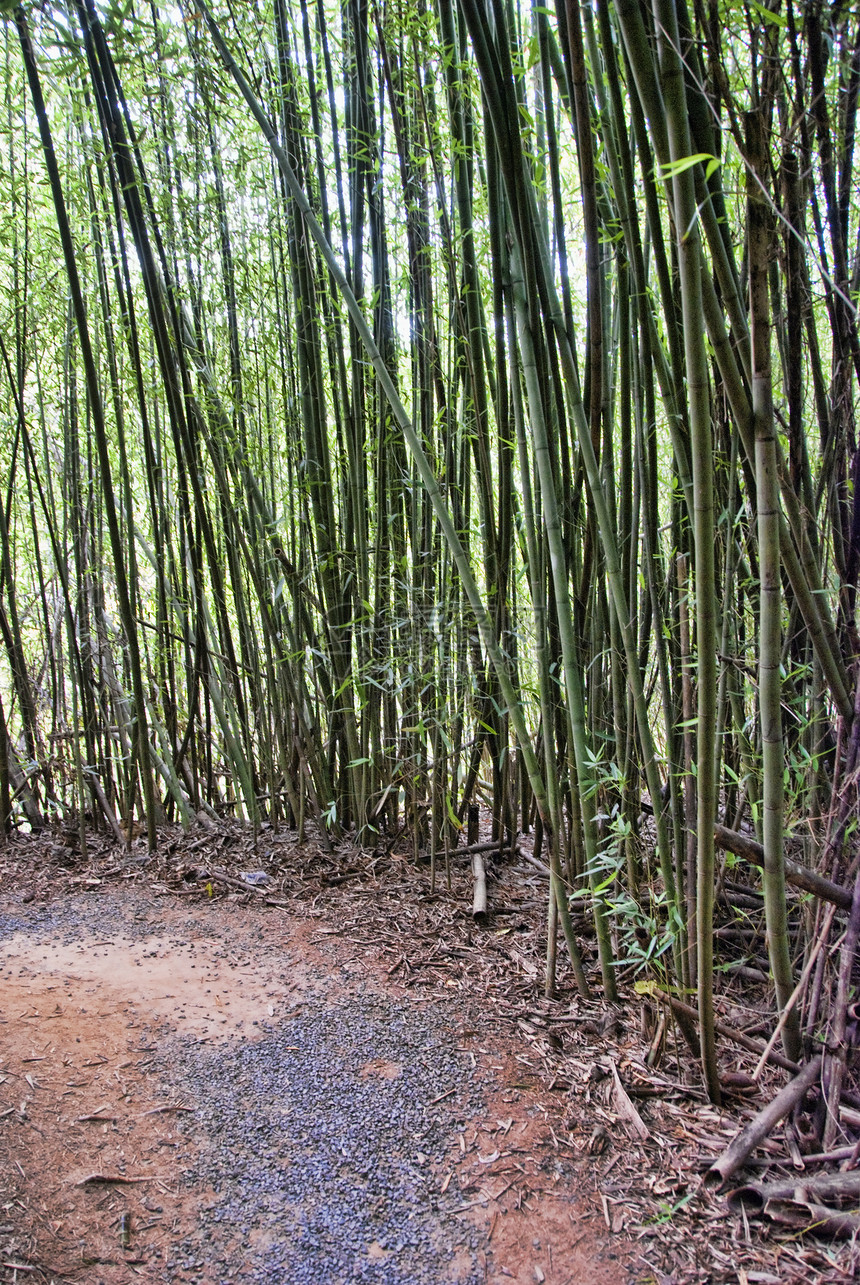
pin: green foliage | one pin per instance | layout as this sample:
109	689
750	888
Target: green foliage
670	169
403	458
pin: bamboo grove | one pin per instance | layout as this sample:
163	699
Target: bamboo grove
422	404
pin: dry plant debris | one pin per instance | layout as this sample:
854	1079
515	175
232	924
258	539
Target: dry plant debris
609	1096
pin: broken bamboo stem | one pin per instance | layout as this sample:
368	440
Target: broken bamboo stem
761	1126
828	1186
808	1215
479	894
795	874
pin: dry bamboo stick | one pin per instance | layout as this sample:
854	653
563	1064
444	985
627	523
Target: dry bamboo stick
828	1186
795	874
761	1125
808	1215
479	895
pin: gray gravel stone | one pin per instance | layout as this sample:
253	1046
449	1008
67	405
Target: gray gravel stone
314	1153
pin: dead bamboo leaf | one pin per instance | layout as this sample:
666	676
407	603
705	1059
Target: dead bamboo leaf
625	1108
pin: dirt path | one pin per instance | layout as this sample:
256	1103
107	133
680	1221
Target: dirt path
205	1090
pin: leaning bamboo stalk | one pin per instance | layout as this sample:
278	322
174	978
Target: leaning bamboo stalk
535	550
761	1126
795	874
837	1060
535	254
5	794
800	563
686	226
99	424
564	614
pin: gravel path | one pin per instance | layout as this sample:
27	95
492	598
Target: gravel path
319	1139
343	1129
74	918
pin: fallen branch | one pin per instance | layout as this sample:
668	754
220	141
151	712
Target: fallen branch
486	845
829	1186
116	1177
170	1107
805	1215
220	876
100	797
761	1126
580	892
533	862
795	874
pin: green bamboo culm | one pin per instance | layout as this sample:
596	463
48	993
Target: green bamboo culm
760	233
686	227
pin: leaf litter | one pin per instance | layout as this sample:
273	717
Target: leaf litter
589	1150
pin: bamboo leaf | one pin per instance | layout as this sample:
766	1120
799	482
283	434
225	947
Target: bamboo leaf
671	169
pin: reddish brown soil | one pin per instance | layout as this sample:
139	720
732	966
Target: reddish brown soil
91	1156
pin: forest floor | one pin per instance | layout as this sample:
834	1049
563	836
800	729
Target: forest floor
333	1073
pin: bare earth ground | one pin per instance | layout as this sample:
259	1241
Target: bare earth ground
560	1186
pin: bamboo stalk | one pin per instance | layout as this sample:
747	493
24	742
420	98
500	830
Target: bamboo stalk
722	1169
